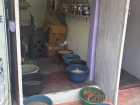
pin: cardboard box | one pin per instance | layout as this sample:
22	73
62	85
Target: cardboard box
25	17
52	50
23	4
54	32
26	30
54	18
55	27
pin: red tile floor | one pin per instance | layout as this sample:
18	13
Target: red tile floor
128	81
125	97
57	76
57	80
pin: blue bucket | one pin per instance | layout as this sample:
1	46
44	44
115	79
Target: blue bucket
77	77
66	56
38	98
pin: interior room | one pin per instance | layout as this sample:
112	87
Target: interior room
76	35
130	63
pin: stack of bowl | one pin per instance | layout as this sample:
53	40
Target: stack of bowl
73	62
31	80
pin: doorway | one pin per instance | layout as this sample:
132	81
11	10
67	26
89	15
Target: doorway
52	67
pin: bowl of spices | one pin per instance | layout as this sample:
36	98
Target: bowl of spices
32	83
92	96
38	100
77	73
60	53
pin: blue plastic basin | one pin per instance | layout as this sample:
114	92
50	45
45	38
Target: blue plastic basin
77	77
38	98
66	56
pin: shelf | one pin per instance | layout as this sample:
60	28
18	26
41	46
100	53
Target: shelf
77	14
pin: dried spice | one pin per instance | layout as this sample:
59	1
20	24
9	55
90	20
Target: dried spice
93	96
77	71
31	82
37	103
29	62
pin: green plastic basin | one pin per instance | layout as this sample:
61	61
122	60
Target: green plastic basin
89	103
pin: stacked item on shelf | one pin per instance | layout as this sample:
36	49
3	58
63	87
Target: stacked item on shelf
78	9
52	4
55	28
26	22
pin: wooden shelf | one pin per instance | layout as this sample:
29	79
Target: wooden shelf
77	14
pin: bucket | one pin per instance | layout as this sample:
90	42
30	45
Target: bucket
27	69
38	98
33	89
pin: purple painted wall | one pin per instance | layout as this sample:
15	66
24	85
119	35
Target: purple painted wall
93	31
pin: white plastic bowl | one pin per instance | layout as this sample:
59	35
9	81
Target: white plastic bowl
27	69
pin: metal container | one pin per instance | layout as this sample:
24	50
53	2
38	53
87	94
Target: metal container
74	7
80	12
85	8
86	12
79	8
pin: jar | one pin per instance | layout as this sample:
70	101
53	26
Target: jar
80	12
79	8
86	12
85	8
74	7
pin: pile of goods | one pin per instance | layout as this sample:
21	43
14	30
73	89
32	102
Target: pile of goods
93	96
29	63
31	82
64	52
77	71
37	103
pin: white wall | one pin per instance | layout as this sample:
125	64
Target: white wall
38	10
78	31
131	57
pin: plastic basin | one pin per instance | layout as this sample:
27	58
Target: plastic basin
78	62
77	77
38	98
27	69
89	103
67	56
32	89
60	54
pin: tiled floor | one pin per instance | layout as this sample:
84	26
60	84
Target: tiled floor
57	76
57	80
125	97
128	81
